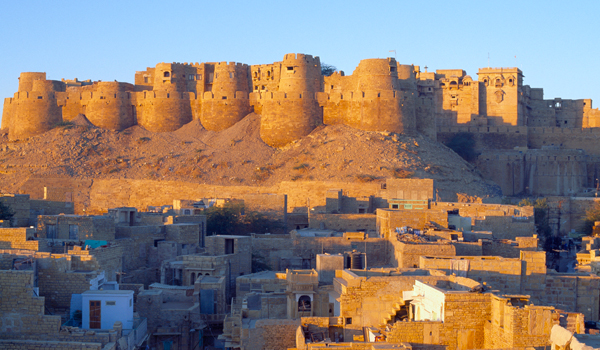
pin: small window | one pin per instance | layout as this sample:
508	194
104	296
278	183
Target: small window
231	75
392	69
130	302
111	303
262	87
145	79
255	87
166	74
224	97
184	76
198	76
290	68
395	206
229	246
40	98
348	320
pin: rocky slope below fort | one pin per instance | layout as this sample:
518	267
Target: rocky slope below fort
236	156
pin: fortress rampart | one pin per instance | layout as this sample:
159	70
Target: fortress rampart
293	97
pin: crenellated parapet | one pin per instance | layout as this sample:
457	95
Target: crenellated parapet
372	110
221	110
110	106
287	117
34	108
161	110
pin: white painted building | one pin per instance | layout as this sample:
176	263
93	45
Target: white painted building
102	308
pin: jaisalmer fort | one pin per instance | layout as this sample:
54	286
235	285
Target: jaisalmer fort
289	206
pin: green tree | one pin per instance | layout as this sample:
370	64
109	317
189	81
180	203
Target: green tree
259	223
542	225
591	215
463	144
233	219
327	69
224	220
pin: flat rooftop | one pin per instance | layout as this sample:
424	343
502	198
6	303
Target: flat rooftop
108	292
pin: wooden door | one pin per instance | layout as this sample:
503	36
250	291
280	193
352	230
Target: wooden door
95	314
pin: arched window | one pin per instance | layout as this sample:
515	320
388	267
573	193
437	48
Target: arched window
304	304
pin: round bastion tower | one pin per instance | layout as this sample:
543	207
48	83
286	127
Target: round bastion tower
293	112
167	107
35	108
227	102
110	106
382	104
25	85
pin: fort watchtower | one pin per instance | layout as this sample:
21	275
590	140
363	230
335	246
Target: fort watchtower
373	98
110	106
34	108
168	106
293	112
226	102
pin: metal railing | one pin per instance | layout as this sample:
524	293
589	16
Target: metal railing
136	336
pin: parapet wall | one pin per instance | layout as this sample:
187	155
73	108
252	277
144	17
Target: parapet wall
221	110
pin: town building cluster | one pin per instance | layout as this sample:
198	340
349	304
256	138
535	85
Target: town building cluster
396	270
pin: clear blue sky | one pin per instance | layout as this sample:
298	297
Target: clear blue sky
555	42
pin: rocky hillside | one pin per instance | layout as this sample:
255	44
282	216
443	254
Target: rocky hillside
236	156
